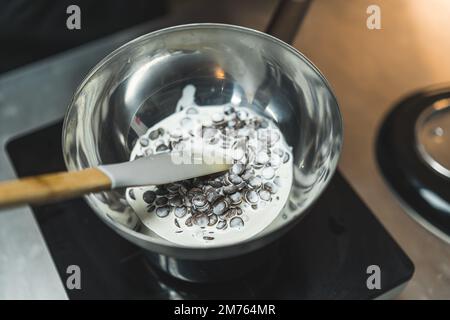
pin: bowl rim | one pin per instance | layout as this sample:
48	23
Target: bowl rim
162	245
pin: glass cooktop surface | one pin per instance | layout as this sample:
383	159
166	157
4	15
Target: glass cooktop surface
325	256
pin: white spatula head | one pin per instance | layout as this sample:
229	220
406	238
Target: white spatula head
167	167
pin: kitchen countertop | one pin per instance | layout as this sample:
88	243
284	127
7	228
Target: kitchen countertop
369	70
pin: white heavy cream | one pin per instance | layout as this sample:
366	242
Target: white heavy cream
225	208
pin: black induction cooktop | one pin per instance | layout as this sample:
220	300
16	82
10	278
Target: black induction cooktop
325	256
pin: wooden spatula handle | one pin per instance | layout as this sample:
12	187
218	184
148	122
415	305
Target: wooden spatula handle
52	187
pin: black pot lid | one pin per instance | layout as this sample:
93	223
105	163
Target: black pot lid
413	153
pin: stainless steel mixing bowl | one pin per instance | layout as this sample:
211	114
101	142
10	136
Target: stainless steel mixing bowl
140	83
